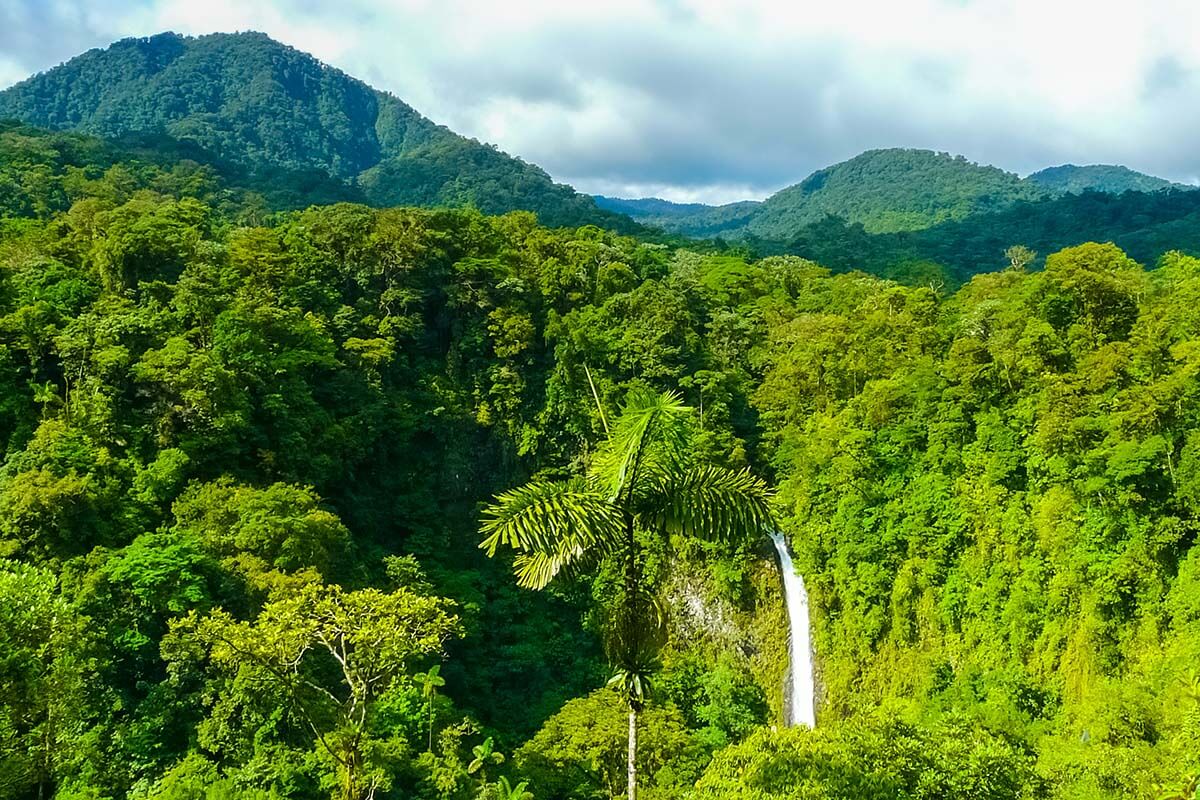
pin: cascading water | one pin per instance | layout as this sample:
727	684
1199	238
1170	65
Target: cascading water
802	710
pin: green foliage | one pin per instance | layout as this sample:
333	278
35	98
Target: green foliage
43	664
888	191
929	219
1073	179
883	190
640	479
641	482
989	498
292	652
240	445
280	527
580	751
44	173
274	111
872	761
201	415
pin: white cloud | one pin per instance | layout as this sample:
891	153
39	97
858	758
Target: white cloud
715	100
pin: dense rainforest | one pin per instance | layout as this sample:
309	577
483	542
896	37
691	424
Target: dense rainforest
241	444
256	428
890	191
919	215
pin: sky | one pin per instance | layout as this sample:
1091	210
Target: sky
697	100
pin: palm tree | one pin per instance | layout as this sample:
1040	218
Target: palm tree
640	483
485	754
430	681
506	791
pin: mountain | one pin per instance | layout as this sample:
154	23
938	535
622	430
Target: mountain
250	100
884	190
1110	178
890	191
689	219
1146	225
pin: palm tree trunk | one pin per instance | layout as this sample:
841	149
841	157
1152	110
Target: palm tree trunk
631	587
631	792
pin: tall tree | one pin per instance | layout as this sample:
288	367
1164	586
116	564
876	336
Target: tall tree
643	482
331	654
43	672
430	681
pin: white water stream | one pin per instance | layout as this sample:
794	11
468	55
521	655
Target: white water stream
802	708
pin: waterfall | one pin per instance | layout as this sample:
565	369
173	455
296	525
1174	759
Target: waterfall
802	710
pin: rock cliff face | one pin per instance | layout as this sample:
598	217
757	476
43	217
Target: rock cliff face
753	626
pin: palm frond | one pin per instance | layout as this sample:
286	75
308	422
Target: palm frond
535	569
650	428
712	503
541	515
551	525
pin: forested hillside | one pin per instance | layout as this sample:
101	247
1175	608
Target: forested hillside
994	499
277	464
1072	179
238	442
911	214
249	100
883	190
301	419
1146	225
43	173
888	191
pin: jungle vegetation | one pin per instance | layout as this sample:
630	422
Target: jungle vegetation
262	105
252	426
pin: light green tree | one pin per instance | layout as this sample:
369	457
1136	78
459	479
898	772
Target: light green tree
485	754
642	482
367	638
1019	256
42	675
506	791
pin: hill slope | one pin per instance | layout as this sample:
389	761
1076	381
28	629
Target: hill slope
1146	225
689	219
891	190
886	192
44	172
251	100
1109	178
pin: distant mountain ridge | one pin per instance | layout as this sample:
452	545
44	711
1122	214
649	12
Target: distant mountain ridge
247	100
252	100
1108	178
886	191
689	219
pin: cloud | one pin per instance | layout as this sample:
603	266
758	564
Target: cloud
714	100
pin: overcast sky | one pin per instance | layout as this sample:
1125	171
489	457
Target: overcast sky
717	101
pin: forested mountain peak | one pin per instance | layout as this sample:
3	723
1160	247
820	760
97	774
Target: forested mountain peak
885	190
1110	178
891	211
889	190
249	99
242	95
